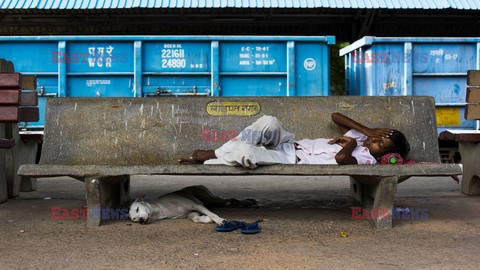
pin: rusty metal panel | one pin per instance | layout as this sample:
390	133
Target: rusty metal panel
10	81
19	98
29	82
473	95
18	114
472	112
29	98
473	78
9	97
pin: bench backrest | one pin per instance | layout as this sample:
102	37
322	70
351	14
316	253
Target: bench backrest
149	131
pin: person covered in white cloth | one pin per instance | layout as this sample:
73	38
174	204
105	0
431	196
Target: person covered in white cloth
269	142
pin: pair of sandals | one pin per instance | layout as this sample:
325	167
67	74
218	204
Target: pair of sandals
245	227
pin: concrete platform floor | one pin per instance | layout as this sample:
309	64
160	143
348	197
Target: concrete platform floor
303	217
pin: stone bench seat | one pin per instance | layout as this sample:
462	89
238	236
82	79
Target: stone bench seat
401	171
103	141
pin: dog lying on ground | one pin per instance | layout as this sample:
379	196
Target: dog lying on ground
190	202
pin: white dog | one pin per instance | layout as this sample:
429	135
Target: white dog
189	203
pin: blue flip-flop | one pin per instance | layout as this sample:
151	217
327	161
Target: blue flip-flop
230	225
251	228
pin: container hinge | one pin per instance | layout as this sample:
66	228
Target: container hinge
42	93
193	91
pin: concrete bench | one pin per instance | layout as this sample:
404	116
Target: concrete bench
103	141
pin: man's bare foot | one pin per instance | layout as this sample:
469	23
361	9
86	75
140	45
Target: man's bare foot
198	157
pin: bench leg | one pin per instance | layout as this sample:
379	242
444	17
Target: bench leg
378	197
27	153
13	179
11	162
105	193
3	173
22	153
470	152
3	178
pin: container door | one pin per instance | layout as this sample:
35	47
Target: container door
176	68
99	69
440	70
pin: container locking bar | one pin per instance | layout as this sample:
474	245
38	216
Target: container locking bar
193	92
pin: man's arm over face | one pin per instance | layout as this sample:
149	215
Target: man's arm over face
345	124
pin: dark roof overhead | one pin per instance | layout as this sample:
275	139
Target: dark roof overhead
342	4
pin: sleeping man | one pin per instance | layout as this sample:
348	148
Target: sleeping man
274	144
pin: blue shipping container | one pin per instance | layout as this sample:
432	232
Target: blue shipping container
135	66
415	66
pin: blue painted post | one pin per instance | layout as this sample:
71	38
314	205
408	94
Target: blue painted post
407	69
137	70
351	80
326	74
215	87
62	69
478	56
365	90
348	69
291	68
477	123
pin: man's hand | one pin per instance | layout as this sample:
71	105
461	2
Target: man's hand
344	156
379	132
345	124
198	157
343	141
